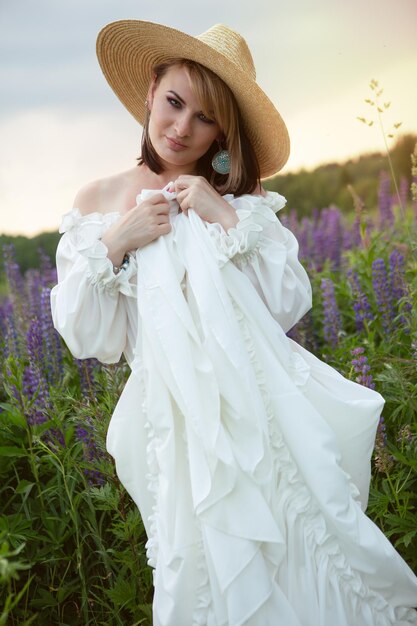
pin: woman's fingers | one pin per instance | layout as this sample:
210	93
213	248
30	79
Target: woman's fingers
164	229
183	199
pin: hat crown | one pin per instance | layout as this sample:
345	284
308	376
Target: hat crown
230	44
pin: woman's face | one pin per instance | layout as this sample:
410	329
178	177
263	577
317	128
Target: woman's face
179	131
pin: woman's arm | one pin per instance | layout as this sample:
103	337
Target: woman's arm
267	252
89	302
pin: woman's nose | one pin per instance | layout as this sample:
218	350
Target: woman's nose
183	125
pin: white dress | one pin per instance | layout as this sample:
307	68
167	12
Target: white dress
248	457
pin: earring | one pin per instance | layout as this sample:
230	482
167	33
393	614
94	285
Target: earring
221	161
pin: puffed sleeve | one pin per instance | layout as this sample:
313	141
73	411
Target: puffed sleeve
267	252
89	302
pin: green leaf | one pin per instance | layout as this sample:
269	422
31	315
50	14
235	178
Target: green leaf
146	609
12	451
123	592
12	415
69	435
24	486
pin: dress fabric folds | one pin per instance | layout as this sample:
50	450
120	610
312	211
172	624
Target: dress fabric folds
248	457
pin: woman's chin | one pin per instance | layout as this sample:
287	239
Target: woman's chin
172	159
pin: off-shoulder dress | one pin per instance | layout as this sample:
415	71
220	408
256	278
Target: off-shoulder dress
248	457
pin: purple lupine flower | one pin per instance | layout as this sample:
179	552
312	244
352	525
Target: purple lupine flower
9	337
12	338
36	391
361	305
34	344
47	271
16	309
362	368
86	369
382	293
82	435
14	277
3	314
326	236
92	454
54	437
382	432
33	289
397	282
398	285
348	237
35	387
52	342
332	321
319	246
15	393
304	238
3	331
355	233
332	229
386	215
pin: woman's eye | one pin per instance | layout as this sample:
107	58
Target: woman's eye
205	119
174	102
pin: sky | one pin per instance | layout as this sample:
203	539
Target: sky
61	126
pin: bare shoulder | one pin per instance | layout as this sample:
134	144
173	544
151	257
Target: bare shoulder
87	199
105	195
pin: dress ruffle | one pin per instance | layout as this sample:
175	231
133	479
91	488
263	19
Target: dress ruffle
322	548
85	232
243	241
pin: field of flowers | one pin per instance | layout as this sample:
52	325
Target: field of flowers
71	542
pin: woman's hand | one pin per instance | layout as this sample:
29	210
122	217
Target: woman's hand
195	192
145	222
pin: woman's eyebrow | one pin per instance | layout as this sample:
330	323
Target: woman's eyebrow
177	96
174	93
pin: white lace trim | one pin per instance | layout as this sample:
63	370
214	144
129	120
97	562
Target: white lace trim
85	232
243	241
204	599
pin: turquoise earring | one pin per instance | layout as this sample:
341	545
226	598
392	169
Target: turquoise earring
221	161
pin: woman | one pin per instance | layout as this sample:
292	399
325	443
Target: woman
248	458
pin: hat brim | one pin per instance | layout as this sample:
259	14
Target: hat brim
127	50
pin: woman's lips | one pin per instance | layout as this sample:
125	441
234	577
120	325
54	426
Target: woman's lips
175	145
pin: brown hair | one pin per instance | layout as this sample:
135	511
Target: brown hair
218	102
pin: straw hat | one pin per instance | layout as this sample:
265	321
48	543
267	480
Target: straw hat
127	50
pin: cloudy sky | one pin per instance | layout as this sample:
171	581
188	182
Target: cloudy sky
61	126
